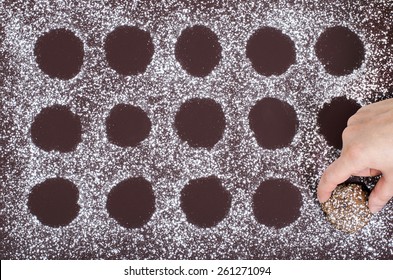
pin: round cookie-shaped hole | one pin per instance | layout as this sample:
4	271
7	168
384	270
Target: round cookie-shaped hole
333	117
205	201
198	50
59	53
273	122
127	125
54	202
276	203
56	128
200	122
270	51
129	50
339	50
131	202
347	208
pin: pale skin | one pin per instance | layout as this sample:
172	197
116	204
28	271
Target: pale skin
367	151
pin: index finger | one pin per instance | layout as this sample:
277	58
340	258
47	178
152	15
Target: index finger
336	173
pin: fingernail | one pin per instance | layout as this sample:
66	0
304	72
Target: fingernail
320	199
374	209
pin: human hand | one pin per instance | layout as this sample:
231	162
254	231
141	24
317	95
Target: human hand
367	151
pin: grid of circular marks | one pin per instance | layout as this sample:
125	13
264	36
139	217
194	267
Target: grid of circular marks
129	51
155	235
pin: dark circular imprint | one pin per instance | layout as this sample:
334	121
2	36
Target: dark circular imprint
273	122
200	122
333	117
59	53
127	125
270	51
340	50
131	202
56	128
129	50
205	201
276	203
198	50
54	202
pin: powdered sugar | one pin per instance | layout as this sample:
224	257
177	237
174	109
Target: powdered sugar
96	166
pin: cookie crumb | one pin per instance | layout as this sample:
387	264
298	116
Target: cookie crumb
347	208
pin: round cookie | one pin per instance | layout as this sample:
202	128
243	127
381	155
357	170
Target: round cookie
347	208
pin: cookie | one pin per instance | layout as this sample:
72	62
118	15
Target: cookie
347	208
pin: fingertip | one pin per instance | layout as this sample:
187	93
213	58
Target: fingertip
322	197
373	206
323	192
336	173
325	188
380	195
319	198
374	209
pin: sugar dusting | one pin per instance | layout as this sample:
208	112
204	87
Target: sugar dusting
96	165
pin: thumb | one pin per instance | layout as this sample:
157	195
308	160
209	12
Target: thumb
381	194
336	173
